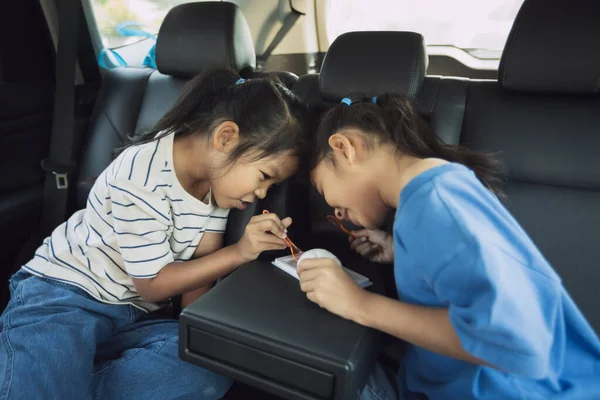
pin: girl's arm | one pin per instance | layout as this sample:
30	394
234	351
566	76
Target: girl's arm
263	233
141	219
211	242
504	313
189	297
328	285
426	327
181	277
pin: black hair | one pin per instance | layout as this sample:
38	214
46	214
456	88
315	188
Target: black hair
392	118
271	119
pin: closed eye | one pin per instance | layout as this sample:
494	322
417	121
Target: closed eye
265	176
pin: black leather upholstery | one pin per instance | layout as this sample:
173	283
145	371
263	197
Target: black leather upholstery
549	141
373	63
196	36
193	37
441	100
257	327
132	100
550	146
160	95
115	116
553	48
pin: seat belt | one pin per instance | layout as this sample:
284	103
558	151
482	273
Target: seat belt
288	23
60	163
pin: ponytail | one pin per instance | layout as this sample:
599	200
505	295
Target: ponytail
392	118
413	136
271	119
197	95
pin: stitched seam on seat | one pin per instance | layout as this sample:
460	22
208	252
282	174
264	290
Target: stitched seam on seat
525	181
228	43
435	98
411	85
119	134
510	45
463	109
321	78
141	100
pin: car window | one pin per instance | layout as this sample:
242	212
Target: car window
478	28
128	28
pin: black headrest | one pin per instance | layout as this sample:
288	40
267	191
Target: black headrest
197	36
553	48
373	63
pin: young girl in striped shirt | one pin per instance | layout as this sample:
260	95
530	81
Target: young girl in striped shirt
77	323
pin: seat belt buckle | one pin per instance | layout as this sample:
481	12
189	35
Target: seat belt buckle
62	180
60	171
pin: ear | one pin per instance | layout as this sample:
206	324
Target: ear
344	150
226	136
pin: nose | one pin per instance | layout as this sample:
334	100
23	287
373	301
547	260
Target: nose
261	193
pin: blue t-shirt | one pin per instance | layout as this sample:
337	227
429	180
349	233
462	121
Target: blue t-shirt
456	246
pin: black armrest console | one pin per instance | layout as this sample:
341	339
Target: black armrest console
257	327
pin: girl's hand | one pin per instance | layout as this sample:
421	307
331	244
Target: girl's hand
326	284
374	245
263	232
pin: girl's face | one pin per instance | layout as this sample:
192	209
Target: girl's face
246	181
348	180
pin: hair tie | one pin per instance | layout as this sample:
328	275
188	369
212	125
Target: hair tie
241	80
374	99
346	101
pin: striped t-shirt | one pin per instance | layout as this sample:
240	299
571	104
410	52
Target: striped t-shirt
138	219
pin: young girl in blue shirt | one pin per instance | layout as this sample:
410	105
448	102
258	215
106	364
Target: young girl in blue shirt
484	314
77	325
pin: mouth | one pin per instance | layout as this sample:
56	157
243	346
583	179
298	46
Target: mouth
242	205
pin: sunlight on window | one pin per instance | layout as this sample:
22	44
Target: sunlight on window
478	26
119	20
130	26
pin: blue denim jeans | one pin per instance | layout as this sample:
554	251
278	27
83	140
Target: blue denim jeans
56	342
